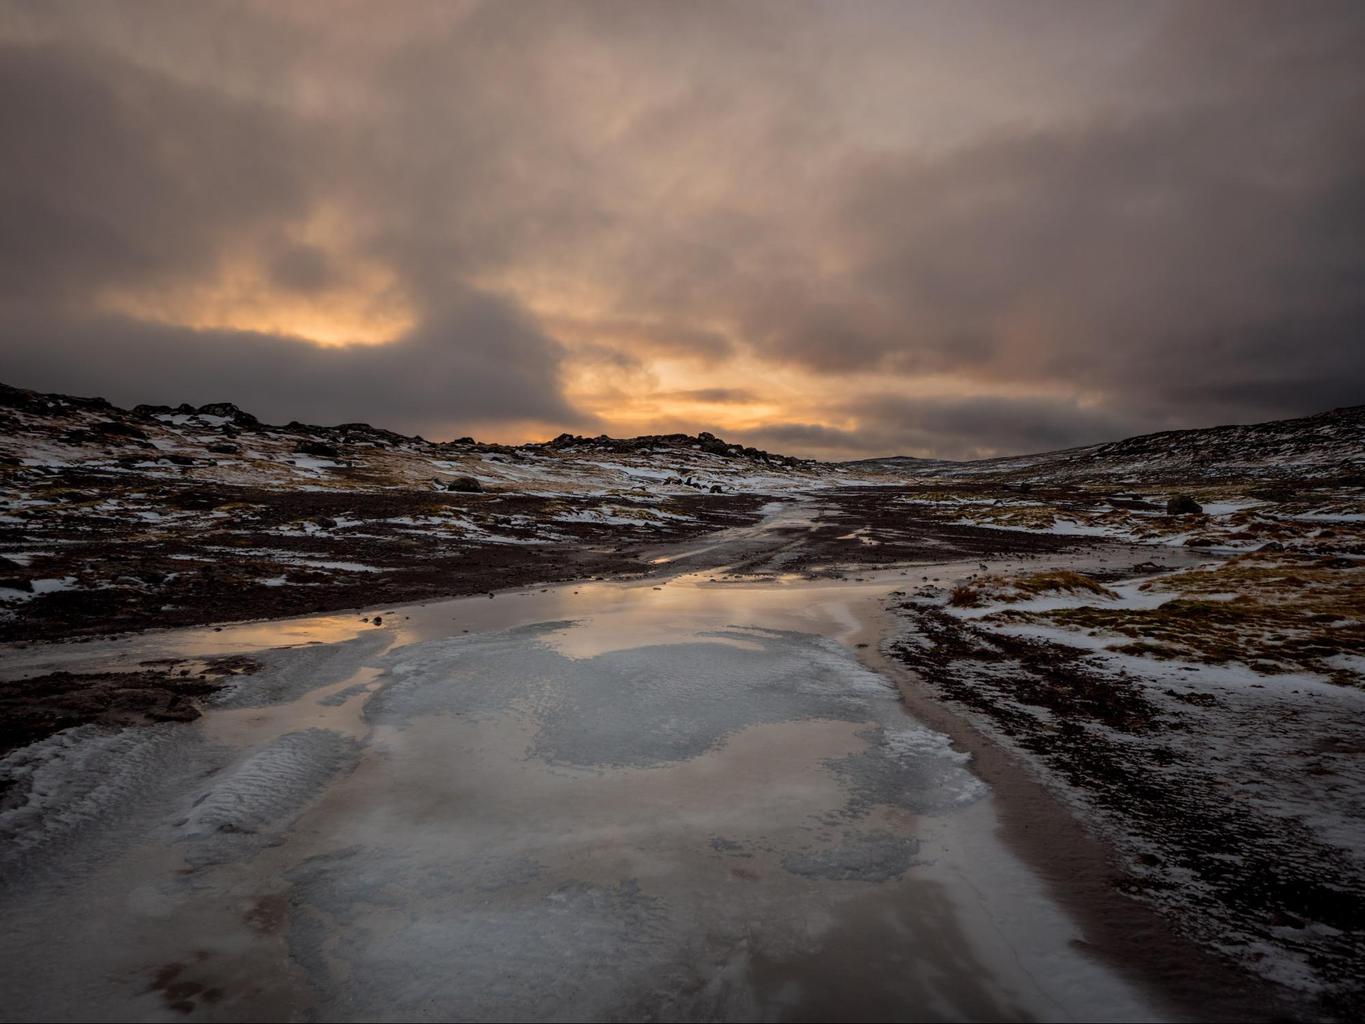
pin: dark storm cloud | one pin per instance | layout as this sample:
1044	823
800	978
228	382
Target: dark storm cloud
956	428
1160	261
115	175
121	176
1201	254
1146	215
478	360
661	338
979	426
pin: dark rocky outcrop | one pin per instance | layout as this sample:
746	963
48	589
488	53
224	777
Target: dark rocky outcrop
1183	505
463	484
318	449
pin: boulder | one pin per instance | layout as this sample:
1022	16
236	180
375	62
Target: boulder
367	432
1183	505
464	484
228	411
113	428
317	449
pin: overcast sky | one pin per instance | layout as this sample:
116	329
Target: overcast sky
953	229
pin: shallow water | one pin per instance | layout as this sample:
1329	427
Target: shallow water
685	800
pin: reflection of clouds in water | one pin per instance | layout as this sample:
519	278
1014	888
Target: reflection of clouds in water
563	949
585	897
875	857
686	830
652	706
907	766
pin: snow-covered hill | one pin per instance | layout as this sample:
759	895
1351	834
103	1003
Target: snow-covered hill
219	443
1328	445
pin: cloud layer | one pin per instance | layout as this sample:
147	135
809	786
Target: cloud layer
842	229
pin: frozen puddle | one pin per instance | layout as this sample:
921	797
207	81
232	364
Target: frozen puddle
602	802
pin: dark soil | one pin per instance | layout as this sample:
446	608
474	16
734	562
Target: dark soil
891	530
210	568
32	709
1256	876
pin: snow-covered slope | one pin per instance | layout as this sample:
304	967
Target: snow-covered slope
221	444
1330	444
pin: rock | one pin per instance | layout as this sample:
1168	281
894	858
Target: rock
710	443
112	428
12	578
716	489
176	709
367	432
1183	505
465	484
1272	545
317	449
228	411
224	448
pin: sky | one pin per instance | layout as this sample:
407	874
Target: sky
947	229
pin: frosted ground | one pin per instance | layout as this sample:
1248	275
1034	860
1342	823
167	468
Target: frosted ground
1185	685
543	817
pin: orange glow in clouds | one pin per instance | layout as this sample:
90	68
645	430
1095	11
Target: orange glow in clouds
633	375
332	321
352	300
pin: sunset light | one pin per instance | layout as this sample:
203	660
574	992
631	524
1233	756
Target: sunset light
682	510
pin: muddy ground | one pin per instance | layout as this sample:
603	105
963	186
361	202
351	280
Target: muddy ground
1106	744
1229	804
266	553
256	554
190	573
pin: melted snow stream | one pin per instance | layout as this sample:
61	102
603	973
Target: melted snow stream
608	800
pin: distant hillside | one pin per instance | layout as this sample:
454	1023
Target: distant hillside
220	442
1327	445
